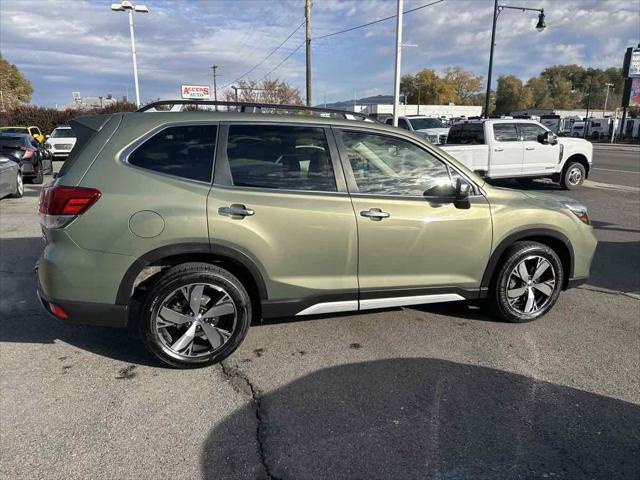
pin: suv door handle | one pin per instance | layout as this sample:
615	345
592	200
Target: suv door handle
498	149
236	210
375	214
530	148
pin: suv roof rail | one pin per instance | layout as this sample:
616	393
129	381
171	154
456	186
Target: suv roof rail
249	107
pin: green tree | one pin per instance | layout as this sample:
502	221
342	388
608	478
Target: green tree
426	87
466	84
563	94
14	86
511	95
539	93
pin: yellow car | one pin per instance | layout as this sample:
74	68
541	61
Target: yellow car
32	130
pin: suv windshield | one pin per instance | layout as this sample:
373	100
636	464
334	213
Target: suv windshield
63	133
422	123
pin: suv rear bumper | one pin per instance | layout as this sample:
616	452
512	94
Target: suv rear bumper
86	313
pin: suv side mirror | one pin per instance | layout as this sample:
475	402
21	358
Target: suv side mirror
548	138
463	190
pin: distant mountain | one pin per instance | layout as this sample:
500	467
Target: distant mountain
348	104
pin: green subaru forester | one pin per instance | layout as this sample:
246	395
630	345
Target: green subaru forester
186	226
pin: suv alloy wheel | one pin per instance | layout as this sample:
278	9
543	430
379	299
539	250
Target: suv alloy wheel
528	283
195	314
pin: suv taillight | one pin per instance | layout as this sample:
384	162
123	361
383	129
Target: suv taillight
61	205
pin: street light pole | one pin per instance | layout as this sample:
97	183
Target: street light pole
606	98
307	17
487	98
133	54
497	9
127	6
396	86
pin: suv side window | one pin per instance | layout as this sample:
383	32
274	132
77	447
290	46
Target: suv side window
402	123
384	165
280	157
530	131
505	132
184	151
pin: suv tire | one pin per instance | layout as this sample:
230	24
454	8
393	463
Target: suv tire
573	176
187	303
528	282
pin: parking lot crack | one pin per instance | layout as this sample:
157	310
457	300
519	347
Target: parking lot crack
241	382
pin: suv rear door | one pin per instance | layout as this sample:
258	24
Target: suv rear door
412	241
279	201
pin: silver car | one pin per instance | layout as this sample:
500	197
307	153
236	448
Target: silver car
10	178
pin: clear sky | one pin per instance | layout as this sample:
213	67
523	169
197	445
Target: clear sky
81	45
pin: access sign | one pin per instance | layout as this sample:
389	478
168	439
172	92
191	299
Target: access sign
196	92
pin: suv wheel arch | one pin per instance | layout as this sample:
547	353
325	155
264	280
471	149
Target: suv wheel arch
171	255
552	238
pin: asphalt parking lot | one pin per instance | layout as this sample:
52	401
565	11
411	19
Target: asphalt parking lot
439	391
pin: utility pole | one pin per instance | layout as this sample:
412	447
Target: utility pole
396	86
215	86
586	119
307	17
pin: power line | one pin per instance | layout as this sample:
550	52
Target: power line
375	21
285	59
265	58
325	36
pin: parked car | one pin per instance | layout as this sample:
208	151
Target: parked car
10	178
32	130
429	128
29	153
298	216
520	149
60	143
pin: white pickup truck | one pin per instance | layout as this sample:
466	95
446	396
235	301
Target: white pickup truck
520	149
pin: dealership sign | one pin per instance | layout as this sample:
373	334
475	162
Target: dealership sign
196	92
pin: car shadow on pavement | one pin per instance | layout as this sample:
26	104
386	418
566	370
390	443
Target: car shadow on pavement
425	418
616	266
22	319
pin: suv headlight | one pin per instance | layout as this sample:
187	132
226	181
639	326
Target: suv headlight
579	210
433	139
47	146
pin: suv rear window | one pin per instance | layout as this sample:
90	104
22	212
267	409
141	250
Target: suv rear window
466	134
184	151
281	157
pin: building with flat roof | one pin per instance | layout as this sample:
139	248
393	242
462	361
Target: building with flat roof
382	111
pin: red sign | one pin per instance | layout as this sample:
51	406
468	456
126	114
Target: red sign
201	92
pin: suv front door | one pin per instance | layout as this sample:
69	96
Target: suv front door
279	200
414	245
